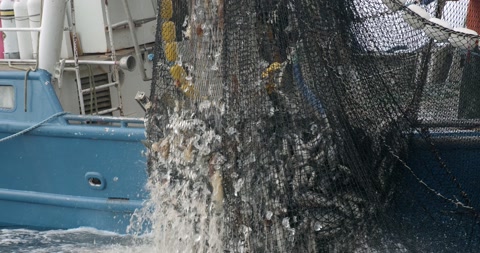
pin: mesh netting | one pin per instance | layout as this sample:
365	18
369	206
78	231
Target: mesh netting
316	126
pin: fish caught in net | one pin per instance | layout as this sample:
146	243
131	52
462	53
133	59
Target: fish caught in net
316	125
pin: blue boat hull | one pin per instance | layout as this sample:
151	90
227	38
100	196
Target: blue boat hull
437	196
47	180
70	171
55	211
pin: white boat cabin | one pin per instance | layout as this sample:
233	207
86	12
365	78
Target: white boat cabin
104	55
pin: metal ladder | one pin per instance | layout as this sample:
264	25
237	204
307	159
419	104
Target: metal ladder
131	25
138	54
113	82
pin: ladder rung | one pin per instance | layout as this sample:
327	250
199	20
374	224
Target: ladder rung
99	87
106	111
135	21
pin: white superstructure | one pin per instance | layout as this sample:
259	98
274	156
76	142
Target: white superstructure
10	41
91	47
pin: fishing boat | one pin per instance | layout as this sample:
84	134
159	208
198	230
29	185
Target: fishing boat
275	126
74	77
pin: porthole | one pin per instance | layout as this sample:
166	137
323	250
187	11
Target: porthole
95	180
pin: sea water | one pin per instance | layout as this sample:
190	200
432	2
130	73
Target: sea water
80	240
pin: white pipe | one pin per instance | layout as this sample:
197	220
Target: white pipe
107	85
90	62
93	62
106	111
19	61
53	15
3	29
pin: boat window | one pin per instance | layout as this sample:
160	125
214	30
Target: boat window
7	97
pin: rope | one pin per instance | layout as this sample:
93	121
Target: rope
25	84
33	127
306	91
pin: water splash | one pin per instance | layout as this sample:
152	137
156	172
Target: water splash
185	209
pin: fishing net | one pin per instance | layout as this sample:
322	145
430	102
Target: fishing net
315	126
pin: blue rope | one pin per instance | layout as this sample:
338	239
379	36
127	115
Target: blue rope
33	127
306	92
426	2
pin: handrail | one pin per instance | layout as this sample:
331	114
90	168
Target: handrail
123	121
106	111
19	61
107	85
23	29
135	21
33	61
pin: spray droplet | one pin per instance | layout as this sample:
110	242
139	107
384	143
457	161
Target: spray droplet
268	215
317	226
237	186
198	238
286	222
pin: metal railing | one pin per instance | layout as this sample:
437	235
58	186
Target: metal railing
124	63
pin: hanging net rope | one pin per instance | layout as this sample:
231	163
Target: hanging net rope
315	126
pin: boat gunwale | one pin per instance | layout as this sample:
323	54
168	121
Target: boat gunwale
81	131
